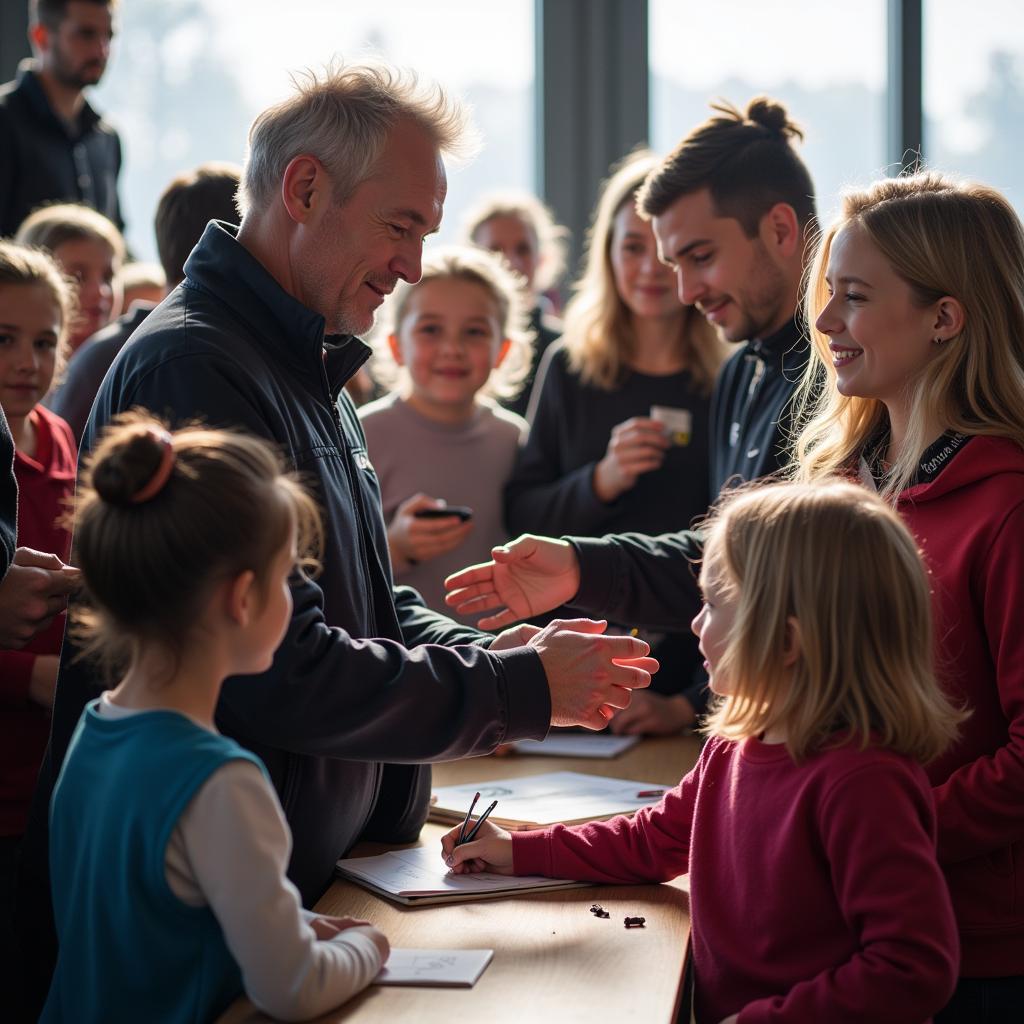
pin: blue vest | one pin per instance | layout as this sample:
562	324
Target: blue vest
130	950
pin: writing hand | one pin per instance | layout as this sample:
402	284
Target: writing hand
491	850
527	576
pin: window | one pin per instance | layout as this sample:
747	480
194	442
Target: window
826	63
974	91
188	77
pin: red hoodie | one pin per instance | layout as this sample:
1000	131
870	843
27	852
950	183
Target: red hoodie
969	521
43	483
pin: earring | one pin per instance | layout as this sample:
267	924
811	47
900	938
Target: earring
938	341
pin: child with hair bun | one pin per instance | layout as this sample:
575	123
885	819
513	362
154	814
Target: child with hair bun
451	344
168	846
807	826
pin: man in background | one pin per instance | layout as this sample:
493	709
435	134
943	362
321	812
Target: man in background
53	145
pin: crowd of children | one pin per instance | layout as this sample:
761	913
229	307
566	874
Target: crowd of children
861	649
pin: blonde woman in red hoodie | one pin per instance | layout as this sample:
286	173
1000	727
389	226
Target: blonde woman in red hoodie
916	298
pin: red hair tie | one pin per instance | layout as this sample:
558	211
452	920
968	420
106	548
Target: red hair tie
155	484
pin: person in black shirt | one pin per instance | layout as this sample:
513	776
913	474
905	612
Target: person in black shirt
53	145
733	211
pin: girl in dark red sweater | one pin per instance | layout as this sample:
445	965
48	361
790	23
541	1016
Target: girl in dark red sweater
36	303
807	826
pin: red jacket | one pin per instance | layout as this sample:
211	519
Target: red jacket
969	522
43	484
815	894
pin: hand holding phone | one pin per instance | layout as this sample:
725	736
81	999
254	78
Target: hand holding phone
462	511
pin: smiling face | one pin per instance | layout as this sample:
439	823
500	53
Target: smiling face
643	282
77	50
94	266
735	281
515	240
879	337
715	618
30	325
449	339
348	257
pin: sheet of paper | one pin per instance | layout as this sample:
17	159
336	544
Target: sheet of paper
420	872
575	744
455	968
534	801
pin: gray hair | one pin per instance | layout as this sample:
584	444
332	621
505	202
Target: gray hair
343	117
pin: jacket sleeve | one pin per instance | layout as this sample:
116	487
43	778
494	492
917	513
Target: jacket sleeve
651	846
632	577
979	805
330	693
544	495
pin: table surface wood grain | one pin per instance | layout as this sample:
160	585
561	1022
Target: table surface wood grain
553	960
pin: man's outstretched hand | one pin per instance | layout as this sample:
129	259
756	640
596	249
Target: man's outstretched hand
528	576
590	675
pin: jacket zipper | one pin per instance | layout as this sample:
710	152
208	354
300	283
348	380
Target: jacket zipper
357	495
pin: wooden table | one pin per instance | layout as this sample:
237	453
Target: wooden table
553	960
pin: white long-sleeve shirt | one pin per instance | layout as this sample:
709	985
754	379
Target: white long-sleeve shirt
230	850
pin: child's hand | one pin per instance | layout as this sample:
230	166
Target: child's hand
412	540
491	850
327	927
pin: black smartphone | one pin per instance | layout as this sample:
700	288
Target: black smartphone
461	511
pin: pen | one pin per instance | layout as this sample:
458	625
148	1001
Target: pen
650	792
479	822
469	814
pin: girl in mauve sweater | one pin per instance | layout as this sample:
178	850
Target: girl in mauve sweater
807	826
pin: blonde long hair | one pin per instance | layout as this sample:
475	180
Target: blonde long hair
864	669
598	326
943	238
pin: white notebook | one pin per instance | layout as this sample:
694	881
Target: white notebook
434	968
536	801
577	744
418	876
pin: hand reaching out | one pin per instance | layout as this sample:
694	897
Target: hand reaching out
528	576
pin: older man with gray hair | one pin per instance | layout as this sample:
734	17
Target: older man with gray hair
343	182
